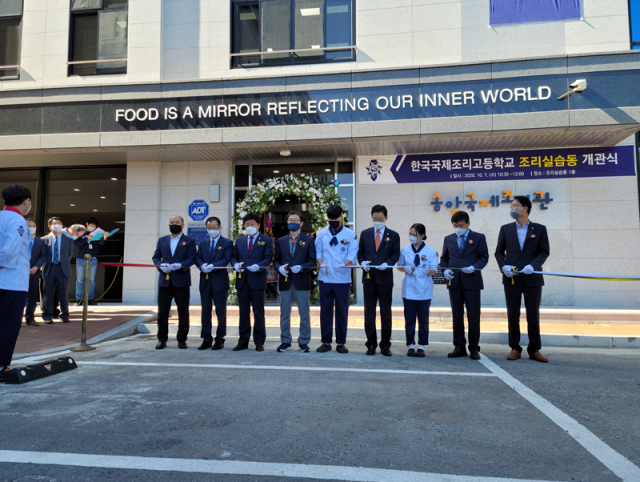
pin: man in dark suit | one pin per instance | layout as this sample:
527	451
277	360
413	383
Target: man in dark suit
38	257
252	254
176	253
214	252
56	271
522	248
466	252
295	258
379	246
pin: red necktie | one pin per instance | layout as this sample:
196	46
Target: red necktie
250	244
377	240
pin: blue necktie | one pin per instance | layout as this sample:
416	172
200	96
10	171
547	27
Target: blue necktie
56	254
333	242
31	244
460	242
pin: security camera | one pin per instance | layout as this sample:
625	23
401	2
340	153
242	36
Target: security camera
577	86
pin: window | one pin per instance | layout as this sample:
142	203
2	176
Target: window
10	23
296	31
99	33
634	21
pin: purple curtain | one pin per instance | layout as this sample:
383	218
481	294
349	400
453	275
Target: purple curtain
504	12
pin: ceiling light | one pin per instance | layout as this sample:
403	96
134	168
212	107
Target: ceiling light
124	204
72	205
114	178
285	152
344	159
76	189
327	170
102	197
95	210
276	172
287	200
309	12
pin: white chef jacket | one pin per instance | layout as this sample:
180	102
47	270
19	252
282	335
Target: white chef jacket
418	286
346	249
15	254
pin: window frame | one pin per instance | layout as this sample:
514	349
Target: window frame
19	68
632	44
293	59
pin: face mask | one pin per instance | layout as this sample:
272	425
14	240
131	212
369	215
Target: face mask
213	233
57	228
28	211
175	228
413	239
460	231
91	228
252	230
377	225
514	213
32	231
74	237
335	224
293	226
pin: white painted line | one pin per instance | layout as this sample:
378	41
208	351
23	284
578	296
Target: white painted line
615	462
157	464
275	367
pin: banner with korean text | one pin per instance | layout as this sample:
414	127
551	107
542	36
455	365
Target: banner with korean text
500	165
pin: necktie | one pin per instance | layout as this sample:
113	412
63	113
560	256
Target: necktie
377	240
250	244
416	260
292	247
31	244
56	255
460	242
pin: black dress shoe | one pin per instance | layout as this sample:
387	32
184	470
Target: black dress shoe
217	346
66	321
420	353
182	345
385	351
93	302
325	347
411	352
342	349
241	346
48	322
32	323
474	355
458	353
205	345
371	351
259	347
161	345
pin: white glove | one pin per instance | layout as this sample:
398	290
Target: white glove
296	269
203	268
528	269
254	268
208	268
237	268
164	268
448	274
283	271
468	269
382	267
175	266
365	265
425	269
506	269
339	268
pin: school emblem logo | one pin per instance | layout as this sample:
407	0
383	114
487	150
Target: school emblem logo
20	231
374	169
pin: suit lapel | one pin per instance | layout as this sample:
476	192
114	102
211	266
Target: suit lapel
529	230
514	234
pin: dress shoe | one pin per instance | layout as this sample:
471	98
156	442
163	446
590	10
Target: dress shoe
411	352
385	351
457	353
474	355
537	356
217	346
161	345
325	347
205	345
32	323
182	345
4	374
513	355
78	302
420	353
66	321
48	322
371	351
342	349
93	302
241	346
259	347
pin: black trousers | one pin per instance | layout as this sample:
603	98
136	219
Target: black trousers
247	299
460	297
33	297
182	296
55	279
208	298
374	293
11	307
532	299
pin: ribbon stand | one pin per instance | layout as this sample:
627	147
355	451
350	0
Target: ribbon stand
83	346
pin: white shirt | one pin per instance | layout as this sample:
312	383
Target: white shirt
174	243
346	249
15	254
418	286
522	233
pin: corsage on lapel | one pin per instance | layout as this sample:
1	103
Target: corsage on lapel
470	241
183	243
533	236
303	243
423	257
261	243
219	248
345	241
387	239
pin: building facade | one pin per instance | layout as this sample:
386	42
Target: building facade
132	111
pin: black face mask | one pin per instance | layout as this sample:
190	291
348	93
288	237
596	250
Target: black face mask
175	228
335	224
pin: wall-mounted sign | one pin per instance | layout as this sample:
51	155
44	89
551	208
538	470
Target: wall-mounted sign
500	165
198	210
468	202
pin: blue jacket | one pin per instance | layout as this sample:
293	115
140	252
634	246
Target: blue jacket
218	278
475	253
185	254
260	255
38	254
304	255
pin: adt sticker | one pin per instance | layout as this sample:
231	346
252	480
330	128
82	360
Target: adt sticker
198	210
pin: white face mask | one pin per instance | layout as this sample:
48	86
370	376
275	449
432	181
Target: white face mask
213	233
32	231
460	231
377	225
413	239
28	210
251	230
57	228
90	228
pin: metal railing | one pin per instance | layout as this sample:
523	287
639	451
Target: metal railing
82	62
274	52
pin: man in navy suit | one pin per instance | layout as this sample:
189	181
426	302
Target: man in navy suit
175	253
214	252
252	254
38	256
56	271
466	252
523	247
295	258
380	247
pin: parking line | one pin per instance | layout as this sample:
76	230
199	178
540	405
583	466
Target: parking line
614	461
217	467
287	368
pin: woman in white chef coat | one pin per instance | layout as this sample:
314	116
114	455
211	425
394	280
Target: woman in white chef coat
421	263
